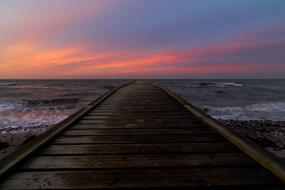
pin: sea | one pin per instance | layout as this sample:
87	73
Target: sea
28	104
43	103
242	100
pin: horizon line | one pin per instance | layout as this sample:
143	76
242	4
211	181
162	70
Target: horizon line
143	79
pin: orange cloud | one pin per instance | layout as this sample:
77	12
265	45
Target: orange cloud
27	60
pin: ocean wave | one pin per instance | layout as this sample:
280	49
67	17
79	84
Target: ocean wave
32	118
220	84
264	111
38	103
7	84
20	105
6	105
225	84
50	102
268	107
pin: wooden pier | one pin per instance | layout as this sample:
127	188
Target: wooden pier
140	136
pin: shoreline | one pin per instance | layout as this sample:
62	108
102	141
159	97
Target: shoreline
266	133
13	138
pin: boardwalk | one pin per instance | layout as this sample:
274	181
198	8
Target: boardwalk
138	137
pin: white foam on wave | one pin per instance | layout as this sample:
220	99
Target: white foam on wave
215	84
31	118
226	84
17	115
6	84
274	111
6	105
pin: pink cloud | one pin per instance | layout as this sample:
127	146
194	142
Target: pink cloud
28	60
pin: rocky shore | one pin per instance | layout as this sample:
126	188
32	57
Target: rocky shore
268	134
13	138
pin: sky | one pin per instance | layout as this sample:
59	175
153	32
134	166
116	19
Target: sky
142	39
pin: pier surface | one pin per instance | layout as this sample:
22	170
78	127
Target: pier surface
137	137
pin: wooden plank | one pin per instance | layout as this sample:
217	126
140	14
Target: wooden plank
142	107
189	121
146	116
137	125
96	111
143	118
149	117
143	102
138	114
138	161
154	148
169	131
198	177
136	104
139	139
130	110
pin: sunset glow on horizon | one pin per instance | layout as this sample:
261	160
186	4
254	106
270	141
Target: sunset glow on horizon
142	39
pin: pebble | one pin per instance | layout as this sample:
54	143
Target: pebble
3	145
266	133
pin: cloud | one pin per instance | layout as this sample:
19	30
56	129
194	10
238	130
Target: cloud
252	58
28	60
271	33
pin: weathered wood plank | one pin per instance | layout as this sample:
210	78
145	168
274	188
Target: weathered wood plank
97	111
200	177
138	161
149	116
189	121
137	125
169	131
100	115
139	139
169	148
143	118
138	120
130	110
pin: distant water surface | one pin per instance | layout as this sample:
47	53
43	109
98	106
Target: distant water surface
234	99
42	103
